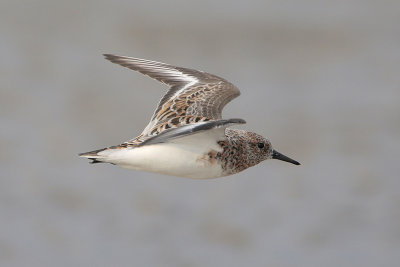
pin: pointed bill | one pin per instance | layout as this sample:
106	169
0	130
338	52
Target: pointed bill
277	155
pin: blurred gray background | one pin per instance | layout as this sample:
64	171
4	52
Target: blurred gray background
319	78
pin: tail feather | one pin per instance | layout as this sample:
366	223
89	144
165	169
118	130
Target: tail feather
93	161
93	156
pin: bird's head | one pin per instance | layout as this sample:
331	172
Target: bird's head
261	149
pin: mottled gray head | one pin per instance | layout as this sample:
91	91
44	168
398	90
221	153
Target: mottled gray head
261	149
245	149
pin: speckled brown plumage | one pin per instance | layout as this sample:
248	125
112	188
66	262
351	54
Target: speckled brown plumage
240	150
194	96
160	127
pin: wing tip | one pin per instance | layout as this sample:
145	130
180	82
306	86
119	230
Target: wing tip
129	62
237	121
111	57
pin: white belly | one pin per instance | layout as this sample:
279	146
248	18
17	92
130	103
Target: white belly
187	157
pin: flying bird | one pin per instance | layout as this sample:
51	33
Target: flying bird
186	135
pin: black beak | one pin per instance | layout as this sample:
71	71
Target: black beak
277	155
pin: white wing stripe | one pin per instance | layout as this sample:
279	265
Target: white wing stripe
172	73
190	83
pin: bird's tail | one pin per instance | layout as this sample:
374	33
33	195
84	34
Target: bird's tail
94	156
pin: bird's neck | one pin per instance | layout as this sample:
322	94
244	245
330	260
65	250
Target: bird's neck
234	156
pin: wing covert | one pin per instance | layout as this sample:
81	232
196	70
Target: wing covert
193	94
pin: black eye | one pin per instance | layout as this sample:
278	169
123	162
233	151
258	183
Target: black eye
260	145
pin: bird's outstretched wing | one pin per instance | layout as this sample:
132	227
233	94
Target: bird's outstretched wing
194	96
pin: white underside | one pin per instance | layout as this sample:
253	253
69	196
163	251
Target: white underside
184	157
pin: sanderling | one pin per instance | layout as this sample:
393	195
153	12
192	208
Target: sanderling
187	136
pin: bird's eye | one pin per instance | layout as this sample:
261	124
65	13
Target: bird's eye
260	145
